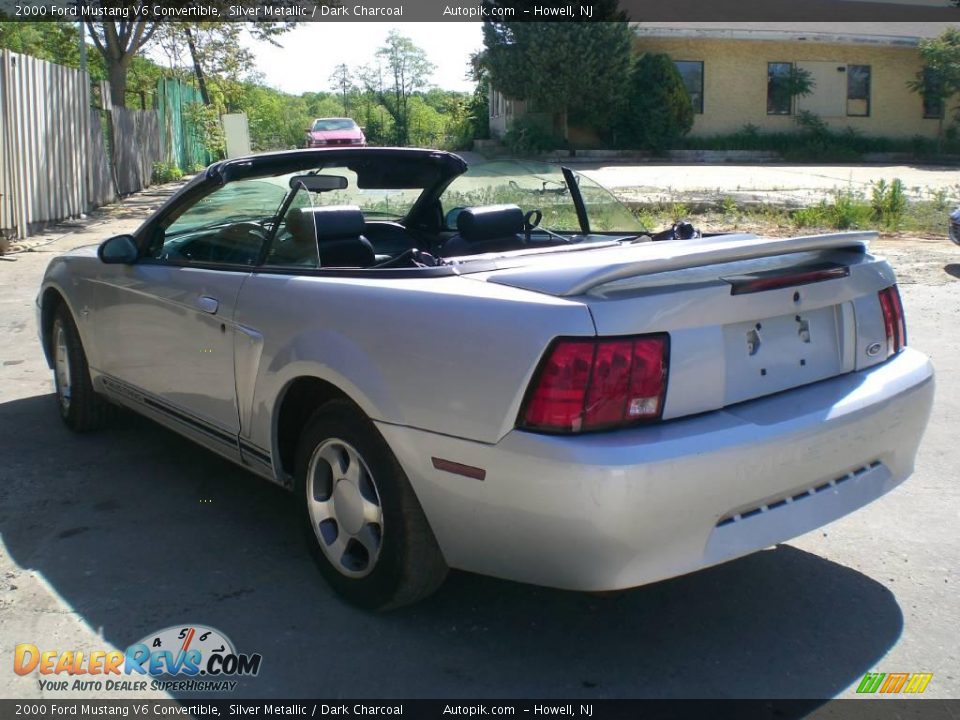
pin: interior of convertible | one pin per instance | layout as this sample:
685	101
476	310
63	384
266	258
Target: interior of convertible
371	217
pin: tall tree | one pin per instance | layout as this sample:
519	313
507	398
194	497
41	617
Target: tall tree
939	79
216	52
118	42
214	47
560	67
342	81
401	69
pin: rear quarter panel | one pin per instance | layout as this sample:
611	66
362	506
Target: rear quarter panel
449	355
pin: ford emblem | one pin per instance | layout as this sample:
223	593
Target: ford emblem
874	349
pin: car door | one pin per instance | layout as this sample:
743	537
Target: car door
165	325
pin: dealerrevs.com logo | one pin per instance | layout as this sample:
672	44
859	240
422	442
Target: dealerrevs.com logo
191	658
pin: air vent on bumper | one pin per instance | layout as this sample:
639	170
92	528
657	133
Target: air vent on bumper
780	502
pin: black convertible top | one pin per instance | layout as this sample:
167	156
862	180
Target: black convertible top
416	163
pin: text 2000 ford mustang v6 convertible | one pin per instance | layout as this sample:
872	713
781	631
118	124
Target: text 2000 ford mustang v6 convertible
494	370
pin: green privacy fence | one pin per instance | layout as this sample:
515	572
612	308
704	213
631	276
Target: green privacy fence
181	136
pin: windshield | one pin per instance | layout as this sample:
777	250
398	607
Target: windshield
539	186
334	124
244	200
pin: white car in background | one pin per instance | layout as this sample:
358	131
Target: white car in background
495	370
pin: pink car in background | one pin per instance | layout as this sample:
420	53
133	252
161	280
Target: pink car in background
335	131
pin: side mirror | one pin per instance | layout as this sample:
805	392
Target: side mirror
118	250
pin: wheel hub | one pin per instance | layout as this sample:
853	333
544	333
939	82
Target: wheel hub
344	508
348	506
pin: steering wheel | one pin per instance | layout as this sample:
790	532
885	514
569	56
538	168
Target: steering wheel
252	231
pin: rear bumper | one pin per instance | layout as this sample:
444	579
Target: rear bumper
616	510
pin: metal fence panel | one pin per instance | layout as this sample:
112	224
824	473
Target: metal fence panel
136	147
102	187
44	150
180	136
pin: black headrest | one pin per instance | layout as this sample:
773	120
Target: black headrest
489	222
334	221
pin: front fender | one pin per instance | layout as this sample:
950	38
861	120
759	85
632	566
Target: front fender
61	284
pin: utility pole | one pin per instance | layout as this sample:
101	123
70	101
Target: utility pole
81	26
83	45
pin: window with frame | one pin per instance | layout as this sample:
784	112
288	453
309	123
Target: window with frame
933	105
692	73
858	90
779	81
227	227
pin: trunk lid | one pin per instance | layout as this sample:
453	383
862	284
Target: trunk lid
747	317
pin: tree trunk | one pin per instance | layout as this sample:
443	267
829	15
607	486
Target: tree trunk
117	77
197	69
943	113
560	127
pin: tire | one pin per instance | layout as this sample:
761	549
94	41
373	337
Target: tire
363	524
81	408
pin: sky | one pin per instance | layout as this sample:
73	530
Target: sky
312	50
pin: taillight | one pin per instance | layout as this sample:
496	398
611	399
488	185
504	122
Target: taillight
598	384
893	321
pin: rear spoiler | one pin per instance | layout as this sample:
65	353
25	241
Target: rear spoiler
651	258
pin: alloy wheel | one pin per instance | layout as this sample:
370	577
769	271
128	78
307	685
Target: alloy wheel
344	507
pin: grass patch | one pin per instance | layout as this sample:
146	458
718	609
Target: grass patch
885	209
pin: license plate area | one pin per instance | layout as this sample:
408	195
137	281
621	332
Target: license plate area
778	353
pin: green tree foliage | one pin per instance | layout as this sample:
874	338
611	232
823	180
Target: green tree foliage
561	66
213	47
478	106
939	80
58	42
429	116
277	120
400	70
323	104
658	110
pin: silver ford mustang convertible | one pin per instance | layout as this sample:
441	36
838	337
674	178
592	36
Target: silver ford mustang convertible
494	369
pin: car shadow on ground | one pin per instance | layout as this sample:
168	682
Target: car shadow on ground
138	529
952	269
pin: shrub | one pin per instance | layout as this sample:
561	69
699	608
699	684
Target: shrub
727	205
166	172
205	121
889	201
658	110
526	136
809	217
849	211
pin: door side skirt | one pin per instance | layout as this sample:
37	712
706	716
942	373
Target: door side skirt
225	444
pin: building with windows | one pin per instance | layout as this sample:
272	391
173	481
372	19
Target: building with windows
740	75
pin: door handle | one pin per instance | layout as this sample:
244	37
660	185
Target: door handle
208	304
